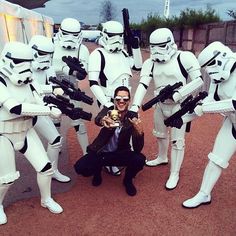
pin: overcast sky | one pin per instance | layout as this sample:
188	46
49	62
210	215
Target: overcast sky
88	11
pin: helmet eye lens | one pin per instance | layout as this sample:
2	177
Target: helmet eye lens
40	53
114	34
64	33
17	61
162	45
212	63
70	33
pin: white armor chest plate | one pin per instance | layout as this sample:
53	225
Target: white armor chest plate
167	73
59	53
227	89
40	76
19	93
117	68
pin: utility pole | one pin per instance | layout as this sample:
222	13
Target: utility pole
167	9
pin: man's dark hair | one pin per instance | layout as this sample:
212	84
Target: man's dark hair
121	88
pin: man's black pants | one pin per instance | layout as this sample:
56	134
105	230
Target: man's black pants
91	163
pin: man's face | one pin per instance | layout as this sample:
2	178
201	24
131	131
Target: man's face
122	101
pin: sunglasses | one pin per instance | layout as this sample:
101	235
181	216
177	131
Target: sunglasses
119	98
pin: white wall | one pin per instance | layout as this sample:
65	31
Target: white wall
20	24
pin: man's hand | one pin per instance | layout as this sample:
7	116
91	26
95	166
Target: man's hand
107	122
137	124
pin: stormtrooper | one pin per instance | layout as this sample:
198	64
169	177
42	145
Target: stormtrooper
42	51
18	108
220	64
110	66
68	45
166	66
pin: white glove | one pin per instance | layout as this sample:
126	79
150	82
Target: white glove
58	91
176	96
198	110
55	112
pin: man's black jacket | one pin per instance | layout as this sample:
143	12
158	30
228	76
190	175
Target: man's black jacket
105	134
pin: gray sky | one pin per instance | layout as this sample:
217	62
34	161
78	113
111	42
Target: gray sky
88	11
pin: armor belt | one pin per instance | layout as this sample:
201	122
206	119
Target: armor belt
16	125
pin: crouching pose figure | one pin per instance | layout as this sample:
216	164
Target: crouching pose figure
17	110
168	66
220	64
42	50
111	146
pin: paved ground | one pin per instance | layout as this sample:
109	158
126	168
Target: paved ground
108	210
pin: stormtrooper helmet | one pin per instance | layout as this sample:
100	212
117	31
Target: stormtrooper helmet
15	63
218	60
162	45
42	49
69	34
112	36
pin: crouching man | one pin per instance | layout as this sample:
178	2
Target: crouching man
112	145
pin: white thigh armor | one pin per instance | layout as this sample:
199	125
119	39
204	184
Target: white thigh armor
224	146
46	128
8	171
35	152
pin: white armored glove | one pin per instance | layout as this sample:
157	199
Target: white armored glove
198	110
54	112
58	91
176	96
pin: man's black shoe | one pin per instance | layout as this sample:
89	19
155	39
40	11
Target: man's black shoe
129	187
97	180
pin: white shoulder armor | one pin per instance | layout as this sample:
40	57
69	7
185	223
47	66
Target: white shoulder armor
147	68
192	67
94	61
190	64
84	56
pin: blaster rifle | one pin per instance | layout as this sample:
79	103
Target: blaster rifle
164	94
69	89
188	105
67	108
75	65
128	36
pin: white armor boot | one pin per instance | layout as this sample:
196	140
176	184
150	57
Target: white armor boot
177	156
162	156
44	183
3	190
210	177
53	155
